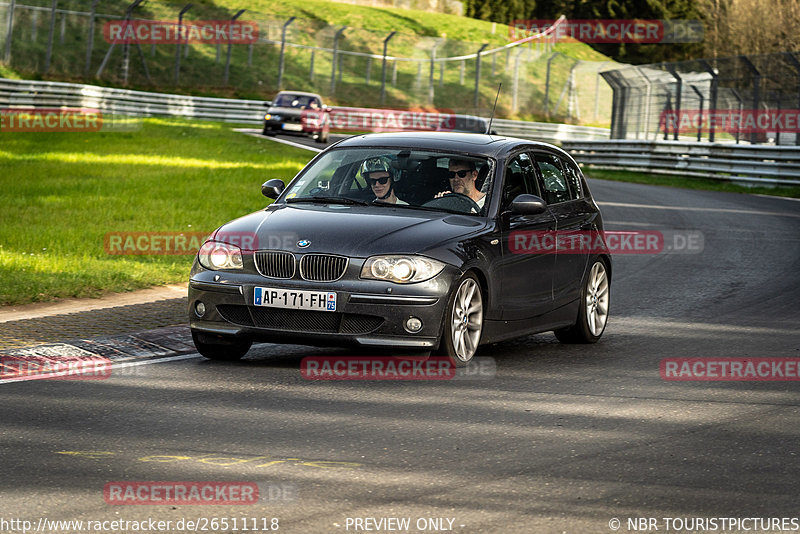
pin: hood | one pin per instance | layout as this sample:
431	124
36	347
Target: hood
285	112
355	231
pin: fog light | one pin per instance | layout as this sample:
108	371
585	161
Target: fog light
200	309
413	325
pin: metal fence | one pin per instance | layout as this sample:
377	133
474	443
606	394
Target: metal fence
746	164
709	100
348	65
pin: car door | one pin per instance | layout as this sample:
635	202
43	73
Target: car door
565	198
526	272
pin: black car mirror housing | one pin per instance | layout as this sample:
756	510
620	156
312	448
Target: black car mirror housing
272	188
526	204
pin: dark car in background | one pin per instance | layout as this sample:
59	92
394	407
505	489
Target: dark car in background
464	123
298	113
421	268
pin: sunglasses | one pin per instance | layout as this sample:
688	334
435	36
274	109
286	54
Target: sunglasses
461	173
381	181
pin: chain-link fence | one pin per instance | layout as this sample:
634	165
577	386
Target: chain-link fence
67	39
753	99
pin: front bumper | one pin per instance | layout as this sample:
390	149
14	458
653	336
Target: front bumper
369	312
291	128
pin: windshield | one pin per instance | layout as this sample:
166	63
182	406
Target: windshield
286	100
410	178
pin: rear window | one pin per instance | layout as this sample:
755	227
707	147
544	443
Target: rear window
556	187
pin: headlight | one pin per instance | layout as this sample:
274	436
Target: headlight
401	269
215	256
267	117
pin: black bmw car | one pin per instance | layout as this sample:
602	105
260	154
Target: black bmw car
412	241
298	113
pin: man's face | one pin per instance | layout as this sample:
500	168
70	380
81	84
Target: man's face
462	184
379	182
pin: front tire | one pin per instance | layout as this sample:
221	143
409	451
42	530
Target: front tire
463	322
593	311
224	350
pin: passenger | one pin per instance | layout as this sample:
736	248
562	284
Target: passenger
380	177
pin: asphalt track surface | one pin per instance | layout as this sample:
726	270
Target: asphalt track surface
560	439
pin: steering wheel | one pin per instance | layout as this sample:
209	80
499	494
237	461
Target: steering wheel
454	201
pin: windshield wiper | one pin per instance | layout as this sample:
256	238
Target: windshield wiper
328	200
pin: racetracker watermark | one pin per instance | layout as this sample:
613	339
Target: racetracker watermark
731	369
196	493
607	242
731	120
170	32
386	120
50	120
75	120
189	243
395	368
54	368
611	30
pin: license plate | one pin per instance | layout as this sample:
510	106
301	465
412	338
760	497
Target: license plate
295	299
293	127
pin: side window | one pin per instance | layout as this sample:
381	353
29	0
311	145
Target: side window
573	178
555	184
520	178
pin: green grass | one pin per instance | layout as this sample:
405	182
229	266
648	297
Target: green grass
683	182
8	72
62	192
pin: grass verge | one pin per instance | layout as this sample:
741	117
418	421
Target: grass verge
62	192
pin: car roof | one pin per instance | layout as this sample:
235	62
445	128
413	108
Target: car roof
474	143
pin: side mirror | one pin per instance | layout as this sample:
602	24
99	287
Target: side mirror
268	104
272	188
527	205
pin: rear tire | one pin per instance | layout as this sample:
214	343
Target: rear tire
226	349
463	322
593	310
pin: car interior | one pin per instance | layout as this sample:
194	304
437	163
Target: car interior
417	179
296	101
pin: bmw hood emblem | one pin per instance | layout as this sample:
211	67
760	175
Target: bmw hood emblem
303	243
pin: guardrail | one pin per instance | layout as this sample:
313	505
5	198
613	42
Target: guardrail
548	132
756	164
27	93
752	164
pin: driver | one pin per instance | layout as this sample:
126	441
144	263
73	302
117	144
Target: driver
462	174
380	177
